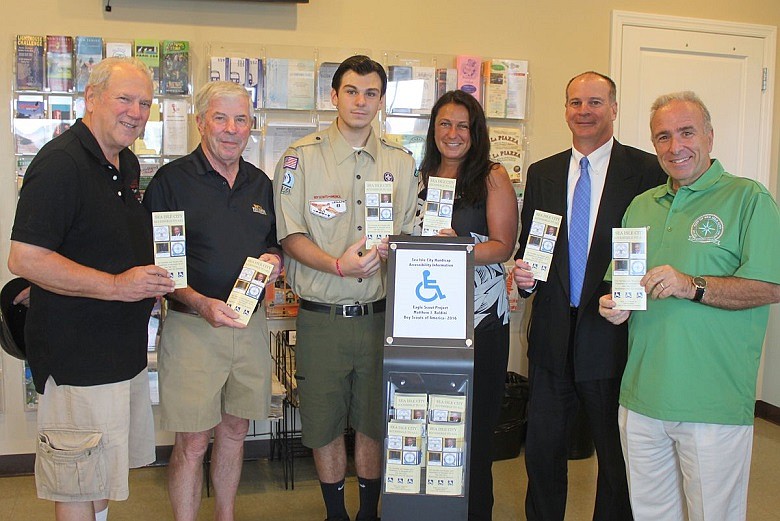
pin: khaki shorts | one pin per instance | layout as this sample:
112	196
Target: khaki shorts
206	371
88	438
339	375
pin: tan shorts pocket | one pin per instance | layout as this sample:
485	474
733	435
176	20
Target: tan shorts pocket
69	463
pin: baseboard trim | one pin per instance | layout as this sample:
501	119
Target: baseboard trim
768	412
24	464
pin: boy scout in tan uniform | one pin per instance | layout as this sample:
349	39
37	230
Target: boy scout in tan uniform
319	188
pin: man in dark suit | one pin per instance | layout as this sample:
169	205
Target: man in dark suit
576	357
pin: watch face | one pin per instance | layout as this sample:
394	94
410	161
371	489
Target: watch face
700	282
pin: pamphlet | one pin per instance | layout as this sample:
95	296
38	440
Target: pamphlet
438	205
400	479
506	147
379	211
629	265
249	287
175	126
324	79
444	472
541	243
410	406
404	457
170	251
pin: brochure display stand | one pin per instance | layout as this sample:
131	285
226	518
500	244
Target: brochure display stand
428	378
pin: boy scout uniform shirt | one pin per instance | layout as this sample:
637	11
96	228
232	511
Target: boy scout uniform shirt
319	191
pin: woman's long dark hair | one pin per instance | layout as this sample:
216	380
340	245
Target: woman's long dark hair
476	166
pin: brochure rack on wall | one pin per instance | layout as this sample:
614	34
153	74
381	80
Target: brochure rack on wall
428	377
48	94
290	89
416	81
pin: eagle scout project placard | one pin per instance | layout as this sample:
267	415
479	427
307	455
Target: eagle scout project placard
249	287
539	248
629	265
170	248
430	297
437	214
379	211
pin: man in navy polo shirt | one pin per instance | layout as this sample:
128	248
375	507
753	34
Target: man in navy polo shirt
84	241
215	372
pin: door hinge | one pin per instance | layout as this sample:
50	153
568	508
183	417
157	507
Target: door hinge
764	75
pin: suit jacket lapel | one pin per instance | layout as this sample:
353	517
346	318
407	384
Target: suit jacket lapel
558	205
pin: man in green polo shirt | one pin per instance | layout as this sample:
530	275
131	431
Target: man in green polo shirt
688	391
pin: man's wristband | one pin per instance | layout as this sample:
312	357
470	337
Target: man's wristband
338	269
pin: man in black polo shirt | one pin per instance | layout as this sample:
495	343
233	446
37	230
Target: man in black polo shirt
215	373
84	241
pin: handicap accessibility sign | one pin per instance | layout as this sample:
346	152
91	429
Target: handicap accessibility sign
428	286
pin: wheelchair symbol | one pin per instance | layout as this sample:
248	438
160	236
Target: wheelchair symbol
428	284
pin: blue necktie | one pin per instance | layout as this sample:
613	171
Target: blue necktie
578	233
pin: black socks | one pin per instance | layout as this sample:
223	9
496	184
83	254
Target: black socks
333	494
369	498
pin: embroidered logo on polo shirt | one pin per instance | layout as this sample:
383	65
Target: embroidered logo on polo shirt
287	182
258	209
707	228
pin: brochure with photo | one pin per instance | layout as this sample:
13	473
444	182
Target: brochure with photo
447	408
629	265
249	286
404	457
170	248
439	201
410	406
541	243
379	211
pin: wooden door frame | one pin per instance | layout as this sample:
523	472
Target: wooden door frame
767	33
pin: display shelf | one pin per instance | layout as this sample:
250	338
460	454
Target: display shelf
41	112
290	89
417	80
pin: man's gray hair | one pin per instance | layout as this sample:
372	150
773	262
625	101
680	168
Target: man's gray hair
220	89
101	73
686	95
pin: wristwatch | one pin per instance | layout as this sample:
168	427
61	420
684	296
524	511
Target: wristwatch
701	287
